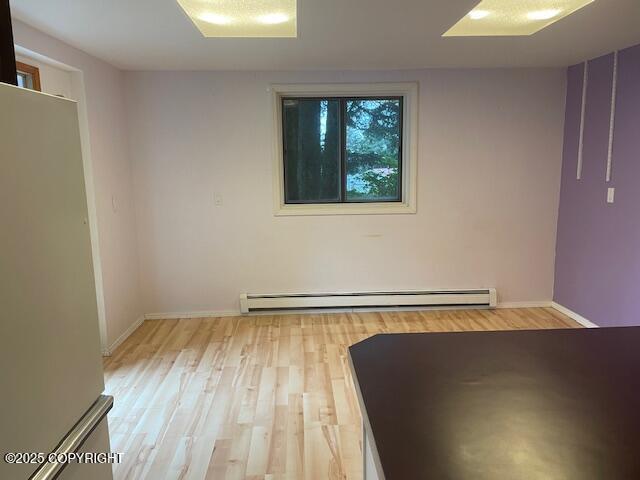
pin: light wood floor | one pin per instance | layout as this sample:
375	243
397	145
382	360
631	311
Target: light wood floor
266	397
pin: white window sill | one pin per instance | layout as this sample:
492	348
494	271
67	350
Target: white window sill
345	209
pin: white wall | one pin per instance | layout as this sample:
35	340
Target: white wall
488	186
112	173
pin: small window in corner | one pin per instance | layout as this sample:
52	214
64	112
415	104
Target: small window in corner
28	76
345	149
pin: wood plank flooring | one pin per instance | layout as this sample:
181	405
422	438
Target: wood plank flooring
261	397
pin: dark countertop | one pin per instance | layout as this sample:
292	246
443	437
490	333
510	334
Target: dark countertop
544	404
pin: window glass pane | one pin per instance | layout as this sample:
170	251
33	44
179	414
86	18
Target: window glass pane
373	149
311	131
25	80
22	80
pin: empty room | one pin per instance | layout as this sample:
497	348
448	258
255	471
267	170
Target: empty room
308	240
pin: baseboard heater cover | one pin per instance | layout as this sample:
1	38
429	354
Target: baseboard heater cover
485	297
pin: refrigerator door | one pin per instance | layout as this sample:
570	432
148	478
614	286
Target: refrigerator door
98	441
50	361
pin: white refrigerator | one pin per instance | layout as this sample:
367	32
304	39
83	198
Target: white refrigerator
51	379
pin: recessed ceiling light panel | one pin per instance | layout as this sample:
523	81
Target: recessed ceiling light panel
544	14
478	14
215	18
273	18
513	18
243	18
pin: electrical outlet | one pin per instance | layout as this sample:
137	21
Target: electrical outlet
611	194
217	200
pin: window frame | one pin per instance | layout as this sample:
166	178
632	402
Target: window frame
32	71
407	92
343	147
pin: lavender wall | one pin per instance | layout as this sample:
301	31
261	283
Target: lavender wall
598	248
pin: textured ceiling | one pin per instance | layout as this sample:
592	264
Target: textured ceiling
332	34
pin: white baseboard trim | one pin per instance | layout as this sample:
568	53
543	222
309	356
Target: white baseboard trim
320	311
177	315
236	313
575	316
132	328
534	304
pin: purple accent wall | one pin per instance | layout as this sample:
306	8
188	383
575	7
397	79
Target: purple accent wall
598	248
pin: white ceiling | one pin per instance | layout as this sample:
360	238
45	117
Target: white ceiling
333	34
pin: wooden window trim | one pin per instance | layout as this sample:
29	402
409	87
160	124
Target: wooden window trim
30	70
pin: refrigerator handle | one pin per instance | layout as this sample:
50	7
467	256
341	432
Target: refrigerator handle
75	438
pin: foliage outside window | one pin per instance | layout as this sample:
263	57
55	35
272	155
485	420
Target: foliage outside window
342	149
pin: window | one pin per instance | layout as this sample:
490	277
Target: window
345	148
28	76
342	150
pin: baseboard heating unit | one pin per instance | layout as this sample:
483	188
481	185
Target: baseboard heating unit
484	297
